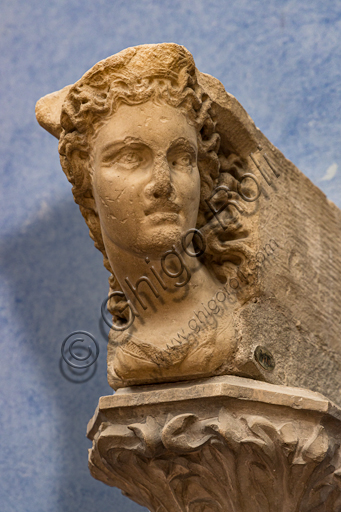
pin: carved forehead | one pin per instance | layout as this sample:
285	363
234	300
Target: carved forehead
156	126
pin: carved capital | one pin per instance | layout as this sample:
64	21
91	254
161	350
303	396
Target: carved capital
224	444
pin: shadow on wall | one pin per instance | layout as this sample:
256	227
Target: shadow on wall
56	283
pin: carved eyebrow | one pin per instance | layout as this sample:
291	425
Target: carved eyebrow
183	144
128	141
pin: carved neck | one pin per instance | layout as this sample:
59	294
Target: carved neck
166	285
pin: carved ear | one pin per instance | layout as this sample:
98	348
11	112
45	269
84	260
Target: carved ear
48	110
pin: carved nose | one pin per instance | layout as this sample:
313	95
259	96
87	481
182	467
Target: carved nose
160	184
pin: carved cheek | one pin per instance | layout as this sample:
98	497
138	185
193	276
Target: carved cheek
192	189
106	195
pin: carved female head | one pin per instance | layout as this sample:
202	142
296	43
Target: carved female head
155	86
147	141
138	85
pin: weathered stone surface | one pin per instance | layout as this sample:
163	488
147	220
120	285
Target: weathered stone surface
224	263
261	301
222	444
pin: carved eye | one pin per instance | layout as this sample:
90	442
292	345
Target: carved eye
183	160
129	159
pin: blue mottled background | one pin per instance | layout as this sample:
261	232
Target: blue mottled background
281	59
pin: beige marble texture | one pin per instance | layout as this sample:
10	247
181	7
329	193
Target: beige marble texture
165	163
221	444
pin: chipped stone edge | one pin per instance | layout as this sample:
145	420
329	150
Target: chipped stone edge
228	386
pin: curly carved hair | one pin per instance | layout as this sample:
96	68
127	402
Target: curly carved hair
163	73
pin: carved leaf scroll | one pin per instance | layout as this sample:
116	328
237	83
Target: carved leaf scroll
229	463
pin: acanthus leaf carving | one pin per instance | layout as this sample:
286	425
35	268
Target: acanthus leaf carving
194	464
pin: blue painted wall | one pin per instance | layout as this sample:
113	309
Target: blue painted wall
281	59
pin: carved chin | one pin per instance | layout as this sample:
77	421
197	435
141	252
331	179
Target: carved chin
158	239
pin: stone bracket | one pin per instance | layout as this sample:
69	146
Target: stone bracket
220	444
